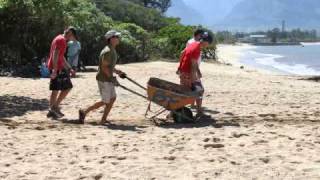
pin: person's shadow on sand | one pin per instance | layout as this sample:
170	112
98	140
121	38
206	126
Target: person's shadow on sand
19	105
200	123
111	125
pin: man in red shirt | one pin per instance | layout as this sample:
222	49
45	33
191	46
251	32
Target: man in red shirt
60	83
188	67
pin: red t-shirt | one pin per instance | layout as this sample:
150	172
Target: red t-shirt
59	43
191	52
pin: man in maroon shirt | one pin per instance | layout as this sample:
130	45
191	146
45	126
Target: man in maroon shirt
60	83
188	67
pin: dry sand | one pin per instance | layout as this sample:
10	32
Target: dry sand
229	54
262	127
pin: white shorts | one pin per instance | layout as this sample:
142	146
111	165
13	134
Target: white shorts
107	91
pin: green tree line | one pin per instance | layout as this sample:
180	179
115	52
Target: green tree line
28	27
275	35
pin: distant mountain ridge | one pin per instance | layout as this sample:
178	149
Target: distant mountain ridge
186	13
267	14
213	11
248	15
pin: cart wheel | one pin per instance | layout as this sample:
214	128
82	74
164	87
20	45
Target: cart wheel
183	115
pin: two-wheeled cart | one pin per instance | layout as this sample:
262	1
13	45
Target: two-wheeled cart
170	96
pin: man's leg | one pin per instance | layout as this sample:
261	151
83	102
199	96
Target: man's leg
199	88
95	106
107	111
83	113
63	94
53	98
199	105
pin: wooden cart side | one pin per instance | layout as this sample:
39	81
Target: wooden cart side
168	99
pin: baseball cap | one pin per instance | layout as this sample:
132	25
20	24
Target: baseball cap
206	37
198	32
72	30
111	34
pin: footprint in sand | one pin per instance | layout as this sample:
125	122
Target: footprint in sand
265	160
295	162
114	163
101	162
170	158
260	142
98	176
72	162
234	163
206	146
291	138
39	128
238	135
121	158
85	147
267	115
229	113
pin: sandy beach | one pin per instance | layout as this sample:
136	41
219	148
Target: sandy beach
262	126
230	54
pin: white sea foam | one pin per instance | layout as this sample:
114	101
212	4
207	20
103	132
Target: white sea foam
310	43
270	60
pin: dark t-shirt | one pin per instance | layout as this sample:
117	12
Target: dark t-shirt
109	57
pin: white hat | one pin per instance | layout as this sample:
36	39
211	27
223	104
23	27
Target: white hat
111	34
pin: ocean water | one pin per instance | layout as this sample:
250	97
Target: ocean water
297	60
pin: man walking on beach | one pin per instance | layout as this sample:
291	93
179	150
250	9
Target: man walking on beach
60	83
196	38
106	80
189	67
74	48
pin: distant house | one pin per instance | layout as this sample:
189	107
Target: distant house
254	39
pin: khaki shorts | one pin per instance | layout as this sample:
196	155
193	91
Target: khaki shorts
107	91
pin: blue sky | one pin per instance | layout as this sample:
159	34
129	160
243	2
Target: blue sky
211	11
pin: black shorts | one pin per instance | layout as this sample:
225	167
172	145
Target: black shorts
198	87
61	82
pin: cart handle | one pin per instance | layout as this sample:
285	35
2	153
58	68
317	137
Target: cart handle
124	76
132	91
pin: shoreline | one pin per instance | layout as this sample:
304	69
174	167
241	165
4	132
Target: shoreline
231	54
262	62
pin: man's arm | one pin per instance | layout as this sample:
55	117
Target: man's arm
117	71
55	63
194	69
199	74
67	66
105	66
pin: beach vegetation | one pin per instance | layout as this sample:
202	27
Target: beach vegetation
28	27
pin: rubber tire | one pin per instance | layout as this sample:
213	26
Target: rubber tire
183	115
